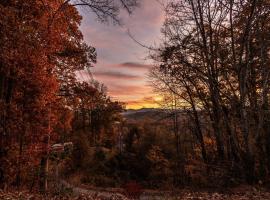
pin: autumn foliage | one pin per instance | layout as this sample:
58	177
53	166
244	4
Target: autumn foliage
41	50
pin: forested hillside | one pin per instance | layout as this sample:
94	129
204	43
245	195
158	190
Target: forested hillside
42	100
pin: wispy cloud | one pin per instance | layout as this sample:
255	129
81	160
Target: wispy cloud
121	62
134	65
115	75
134	91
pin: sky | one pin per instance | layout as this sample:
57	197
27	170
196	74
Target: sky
122	64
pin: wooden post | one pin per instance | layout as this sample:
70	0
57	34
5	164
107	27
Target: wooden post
44	164
48	152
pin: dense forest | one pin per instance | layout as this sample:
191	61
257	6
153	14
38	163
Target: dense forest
42	100
215	62
211	70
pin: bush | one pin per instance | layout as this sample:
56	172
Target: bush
133	190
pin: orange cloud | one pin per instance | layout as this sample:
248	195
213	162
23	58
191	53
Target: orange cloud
146	102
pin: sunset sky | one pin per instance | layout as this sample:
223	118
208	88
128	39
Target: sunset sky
122	65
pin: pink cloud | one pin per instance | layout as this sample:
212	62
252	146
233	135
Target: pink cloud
121	62
136	66
115	75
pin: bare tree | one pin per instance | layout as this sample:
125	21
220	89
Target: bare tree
213	58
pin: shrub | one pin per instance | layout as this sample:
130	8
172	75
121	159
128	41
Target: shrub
133	190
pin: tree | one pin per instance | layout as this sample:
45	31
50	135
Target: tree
39	59
94	111
210	60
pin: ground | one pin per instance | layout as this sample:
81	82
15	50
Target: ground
240	193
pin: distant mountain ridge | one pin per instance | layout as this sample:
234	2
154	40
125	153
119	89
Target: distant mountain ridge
155	114
143	113
141	110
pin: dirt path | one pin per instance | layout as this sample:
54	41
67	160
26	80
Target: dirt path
114	193
244	193
93	193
